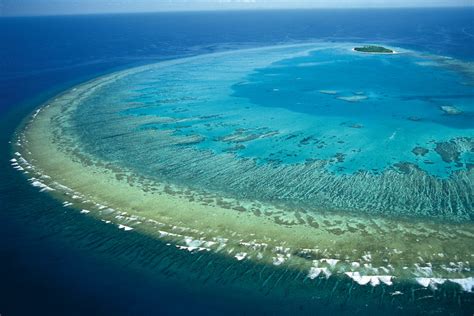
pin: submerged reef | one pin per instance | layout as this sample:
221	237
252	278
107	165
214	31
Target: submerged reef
214	172
451	151
450	110
420	151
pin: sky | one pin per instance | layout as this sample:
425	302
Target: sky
59	7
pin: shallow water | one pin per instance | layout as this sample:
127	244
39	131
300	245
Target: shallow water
107	148
54	252
272	122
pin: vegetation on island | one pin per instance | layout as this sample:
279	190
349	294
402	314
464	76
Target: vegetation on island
373	49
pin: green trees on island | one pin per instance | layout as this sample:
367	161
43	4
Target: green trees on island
373	49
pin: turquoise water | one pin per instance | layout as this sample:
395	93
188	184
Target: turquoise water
57	261
399	109
362	132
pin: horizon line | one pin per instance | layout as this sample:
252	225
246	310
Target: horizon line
236	9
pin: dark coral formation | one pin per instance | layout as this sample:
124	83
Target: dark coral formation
420	151
406	167
451	150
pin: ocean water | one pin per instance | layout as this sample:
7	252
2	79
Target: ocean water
57	261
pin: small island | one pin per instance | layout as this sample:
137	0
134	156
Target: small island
374	49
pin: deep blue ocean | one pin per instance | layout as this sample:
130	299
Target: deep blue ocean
54	261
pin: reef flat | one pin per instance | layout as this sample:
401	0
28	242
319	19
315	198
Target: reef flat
204	152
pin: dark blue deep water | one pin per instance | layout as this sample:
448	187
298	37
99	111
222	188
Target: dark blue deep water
54	261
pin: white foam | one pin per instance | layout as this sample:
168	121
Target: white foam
425	282
195	243
367	256
282	249
85	211
240	256
360	279
38	184
165	234
190	249
431	282
332	262
36	113
46	188
315	272
209	243
278	260
125	228
386	279
467	284
374	280
192	244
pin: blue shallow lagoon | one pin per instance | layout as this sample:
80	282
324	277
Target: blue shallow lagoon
395	103
265	118
300	130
